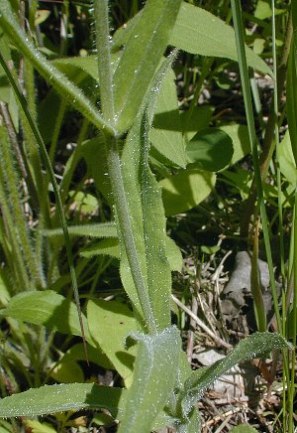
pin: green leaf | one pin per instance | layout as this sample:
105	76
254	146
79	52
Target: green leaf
255	345
191	425
243	428
167	138
98	230
192	33
292	90
153	381
95	355
50	399
240	141
210	150
287	163
186	190
148	224
69	91
46	308
134	73
107	247
109	324
67	372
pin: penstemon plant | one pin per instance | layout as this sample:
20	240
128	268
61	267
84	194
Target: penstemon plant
160	389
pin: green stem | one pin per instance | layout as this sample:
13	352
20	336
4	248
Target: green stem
104	59
239	31
126	232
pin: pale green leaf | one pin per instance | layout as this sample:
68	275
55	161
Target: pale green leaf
210	150
141	57
192	33
46	308
95	355
286	160
191	425
109	324
148	224
107	247
41	15
240	140
67	372
186	190
167	138
97	230
153	381
291	93
255	345
50	399
243	428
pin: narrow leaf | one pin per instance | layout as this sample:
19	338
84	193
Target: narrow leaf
134	73
154	378
292	97
50	399
99	230
255	345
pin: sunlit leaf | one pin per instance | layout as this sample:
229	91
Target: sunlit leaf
148	40
58	398
154	378
110	324
255	345
46	308
186	190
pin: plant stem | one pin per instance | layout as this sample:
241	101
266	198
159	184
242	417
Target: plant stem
103	41
126	232
239	30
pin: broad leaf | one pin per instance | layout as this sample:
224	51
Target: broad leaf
167	138
240	140
147	41
191	34
186	190
153	381
255	345
50	399
109	324
46	308
210	149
